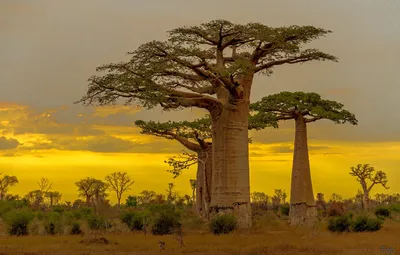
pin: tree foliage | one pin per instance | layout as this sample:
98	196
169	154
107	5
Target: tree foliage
285	105
91	188
192	64
7	182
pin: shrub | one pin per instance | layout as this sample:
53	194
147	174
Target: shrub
223	224
96	222
364	224
53	223
165	223
339	224
76	228
285	210
18	220
134	220
336	209
131	201
395	208
382	212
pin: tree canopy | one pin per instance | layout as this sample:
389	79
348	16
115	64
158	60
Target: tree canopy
192	65
285	105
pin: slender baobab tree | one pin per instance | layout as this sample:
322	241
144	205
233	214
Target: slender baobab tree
367	173
119	182
209	66
194	136
303	108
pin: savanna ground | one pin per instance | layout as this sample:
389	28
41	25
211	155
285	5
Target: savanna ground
270	235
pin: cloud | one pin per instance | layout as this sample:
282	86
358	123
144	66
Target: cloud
8	143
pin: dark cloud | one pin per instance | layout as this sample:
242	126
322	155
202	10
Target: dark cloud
8	143
107	144
282	149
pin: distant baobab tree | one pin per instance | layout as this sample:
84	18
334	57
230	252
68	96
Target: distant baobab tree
192	68
91	189
303	108
364	174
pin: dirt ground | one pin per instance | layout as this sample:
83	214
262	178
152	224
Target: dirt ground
285	241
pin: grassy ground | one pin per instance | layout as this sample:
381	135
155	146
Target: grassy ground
274	239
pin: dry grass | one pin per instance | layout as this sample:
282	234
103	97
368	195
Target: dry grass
275	239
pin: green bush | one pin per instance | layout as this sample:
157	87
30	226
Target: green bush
382	212
223	224
18	220
339	224
53	224
76	228
134	220
285	210
395	208
365	224
96	222
165	223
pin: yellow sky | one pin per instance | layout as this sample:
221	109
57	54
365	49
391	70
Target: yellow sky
65	152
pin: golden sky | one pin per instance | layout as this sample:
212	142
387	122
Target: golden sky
49	49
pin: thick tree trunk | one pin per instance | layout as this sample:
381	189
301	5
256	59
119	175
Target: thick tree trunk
203	183
230	176
303	211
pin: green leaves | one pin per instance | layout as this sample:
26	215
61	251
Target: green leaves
285	105
187	129
196	61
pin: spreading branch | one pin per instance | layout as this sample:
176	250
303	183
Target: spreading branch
191	67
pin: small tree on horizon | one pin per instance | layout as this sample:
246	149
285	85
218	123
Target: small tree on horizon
119	182
367	173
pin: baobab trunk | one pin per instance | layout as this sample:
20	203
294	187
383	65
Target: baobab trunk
230	176
365	197
303	211
203	183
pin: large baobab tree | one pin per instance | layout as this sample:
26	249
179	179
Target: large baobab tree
367	173
194	136
119	182
303	108
210	66
7	182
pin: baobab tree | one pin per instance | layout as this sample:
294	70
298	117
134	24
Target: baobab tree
194	136
53	196
91	189
119	182
192	68
303	108
367	173
7	182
